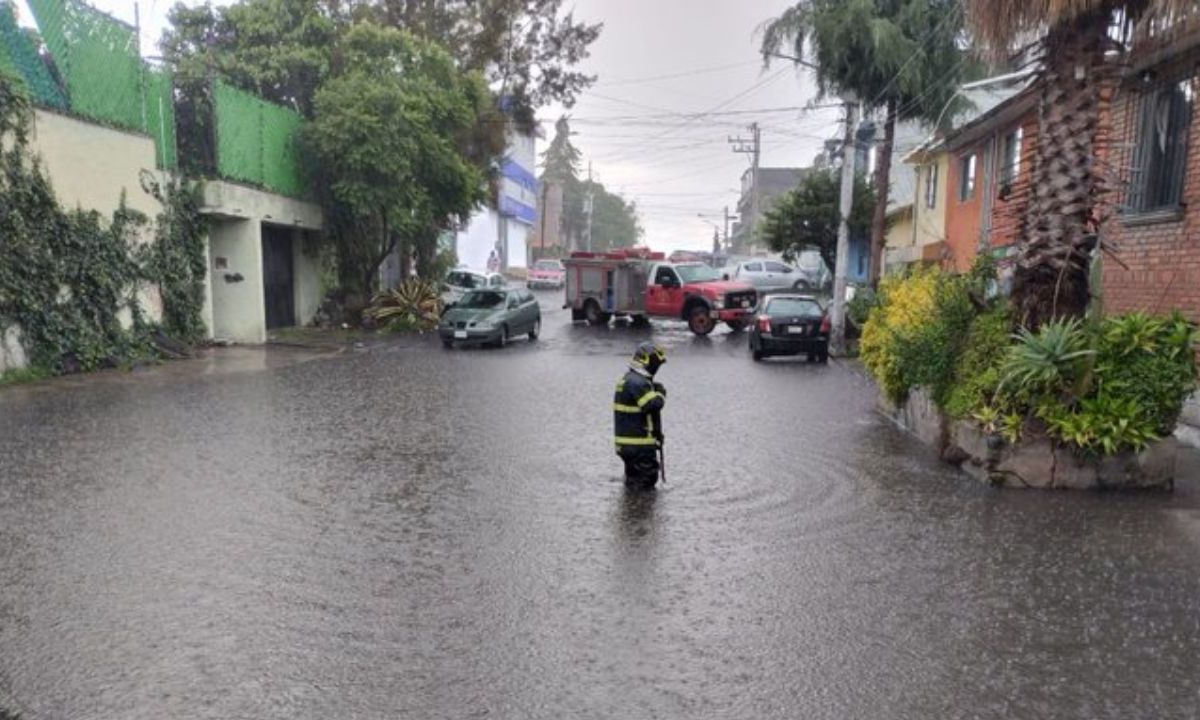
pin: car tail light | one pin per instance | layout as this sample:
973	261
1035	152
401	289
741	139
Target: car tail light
825	324
764	323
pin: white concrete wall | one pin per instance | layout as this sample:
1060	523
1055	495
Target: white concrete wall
518	244
474	243
307	281
238	309
90	166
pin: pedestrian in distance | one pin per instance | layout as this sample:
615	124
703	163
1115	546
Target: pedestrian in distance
637	417
493	263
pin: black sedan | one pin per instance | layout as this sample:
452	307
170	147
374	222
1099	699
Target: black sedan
790	325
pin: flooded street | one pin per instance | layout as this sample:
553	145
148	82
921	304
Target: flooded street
411	532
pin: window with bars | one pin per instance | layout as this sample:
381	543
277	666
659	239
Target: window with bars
931	185
1164	115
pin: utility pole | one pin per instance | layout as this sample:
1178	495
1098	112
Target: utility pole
837	340
726	227
751	146
588	204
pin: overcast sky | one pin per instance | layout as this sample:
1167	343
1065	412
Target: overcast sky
658	61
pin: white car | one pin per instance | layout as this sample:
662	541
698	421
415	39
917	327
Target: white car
460	282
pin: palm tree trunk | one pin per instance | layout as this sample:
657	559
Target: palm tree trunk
883	171
1060	224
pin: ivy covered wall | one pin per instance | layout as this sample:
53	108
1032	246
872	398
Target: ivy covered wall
70	279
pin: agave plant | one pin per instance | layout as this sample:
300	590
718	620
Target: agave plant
412	305
1046	362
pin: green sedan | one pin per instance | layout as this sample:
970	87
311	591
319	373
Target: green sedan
491	317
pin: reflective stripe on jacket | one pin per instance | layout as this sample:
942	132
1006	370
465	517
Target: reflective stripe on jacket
634	405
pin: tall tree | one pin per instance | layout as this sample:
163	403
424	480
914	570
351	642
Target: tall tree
529	50
385	140
808	216
614	220
1061	219
282	50
901	57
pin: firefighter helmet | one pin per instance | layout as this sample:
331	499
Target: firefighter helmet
649	356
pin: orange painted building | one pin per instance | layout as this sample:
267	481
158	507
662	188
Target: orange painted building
988	180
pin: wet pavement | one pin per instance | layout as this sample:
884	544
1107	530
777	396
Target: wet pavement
417	533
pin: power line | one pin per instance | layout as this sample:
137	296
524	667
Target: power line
672	76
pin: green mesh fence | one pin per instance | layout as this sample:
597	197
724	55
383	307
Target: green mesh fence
18	55
160	117
256	141
98	57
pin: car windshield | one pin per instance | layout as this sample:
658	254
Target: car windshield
793	306
547	265
481	299
465	280
697	273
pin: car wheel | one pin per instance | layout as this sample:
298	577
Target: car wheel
823	357
503	336
802	286
537	329
757	355
699	321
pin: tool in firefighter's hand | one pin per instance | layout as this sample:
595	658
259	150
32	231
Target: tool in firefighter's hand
658	436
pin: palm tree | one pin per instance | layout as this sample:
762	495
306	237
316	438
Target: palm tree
903	57
1070	39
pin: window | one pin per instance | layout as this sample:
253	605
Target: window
793	306
1160	157
931	185
514	301
753	267
777	268
1012	158
966	177
666	276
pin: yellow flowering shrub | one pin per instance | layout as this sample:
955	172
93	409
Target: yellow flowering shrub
906	305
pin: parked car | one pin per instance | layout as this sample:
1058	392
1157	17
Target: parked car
546	273
491	317
790	325
460	282
770	275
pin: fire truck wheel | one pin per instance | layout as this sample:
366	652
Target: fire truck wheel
699	320
594	315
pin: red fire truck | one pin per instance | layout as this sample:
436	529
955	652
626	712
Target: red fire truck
639	284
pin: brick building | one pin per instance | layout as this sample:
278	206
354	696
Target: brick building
1154	232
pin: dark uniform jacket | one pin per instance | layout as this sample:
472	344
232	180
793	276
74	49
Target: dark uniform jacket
635	406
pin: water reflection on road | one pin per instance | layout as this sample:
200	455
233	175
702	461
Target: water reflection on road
416	533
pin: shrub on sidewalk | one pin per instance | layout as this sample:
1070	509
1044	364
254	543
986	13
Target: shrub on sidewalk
413	305
1100	387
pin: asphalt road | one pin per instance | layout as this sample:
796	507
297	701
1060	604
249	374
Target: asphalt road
410	532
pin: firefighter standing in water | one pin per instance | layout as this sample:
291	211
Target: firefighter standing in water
636	411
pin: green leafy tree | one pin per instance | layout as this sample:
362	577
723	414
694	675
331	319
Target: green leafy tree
385	142
281	50
808	216
1071	40
614	221
527	49
901	57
